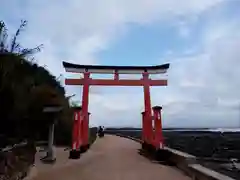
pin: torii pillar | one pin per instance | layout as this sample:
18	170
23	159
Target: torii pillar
76	133
158	134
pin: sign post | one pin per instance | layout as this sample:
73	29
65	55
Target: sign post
52	112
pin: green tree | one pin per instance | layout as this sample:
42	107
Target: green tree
25	89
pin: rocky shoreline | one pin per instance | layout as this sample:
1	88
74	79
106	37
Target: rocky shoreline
214	149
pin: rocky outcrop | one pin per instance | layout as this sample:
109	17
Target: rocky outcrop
16	161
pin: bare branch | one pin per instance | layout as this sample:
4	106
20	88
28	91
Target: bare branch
3	37
14	43
28	52
14	47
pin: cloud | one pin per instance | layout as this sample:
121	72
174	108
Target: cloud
203	87
211	79
77	30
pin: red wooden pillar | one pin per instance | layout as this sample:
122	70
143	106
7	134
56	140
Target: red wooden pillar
88	129
85	100
75	131
143	127
148	110
76	134
80	129
84	147
158	135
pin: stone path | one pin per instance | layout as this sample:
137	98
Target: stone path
110	158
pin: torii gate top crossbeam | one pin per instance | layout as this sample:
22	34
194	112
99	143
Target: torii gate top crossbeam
76	68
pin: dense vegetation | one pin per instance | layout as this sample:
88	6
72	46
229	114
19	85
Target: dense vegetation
25	89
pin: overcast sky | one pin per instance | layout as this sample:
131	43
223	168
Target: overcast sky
200	38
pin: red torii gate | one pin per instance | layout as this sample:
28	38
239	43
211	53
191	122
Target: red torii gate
81	117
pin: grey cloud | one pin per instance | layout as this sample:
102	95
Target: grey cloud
76	30
212	80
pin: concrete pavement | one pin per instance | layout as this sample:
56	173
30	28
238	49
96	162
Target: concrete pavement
109	158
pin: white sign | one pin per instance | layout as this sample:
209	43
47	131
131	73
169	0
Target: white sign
76	116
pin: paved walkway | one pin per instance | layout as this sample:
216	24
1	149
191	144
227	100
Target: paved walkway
110	158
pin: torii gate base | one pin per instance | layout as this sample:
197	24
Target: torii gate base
78	134
157	136
151	136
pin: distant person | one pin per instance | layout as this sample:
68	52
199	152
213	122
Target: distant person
101	131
